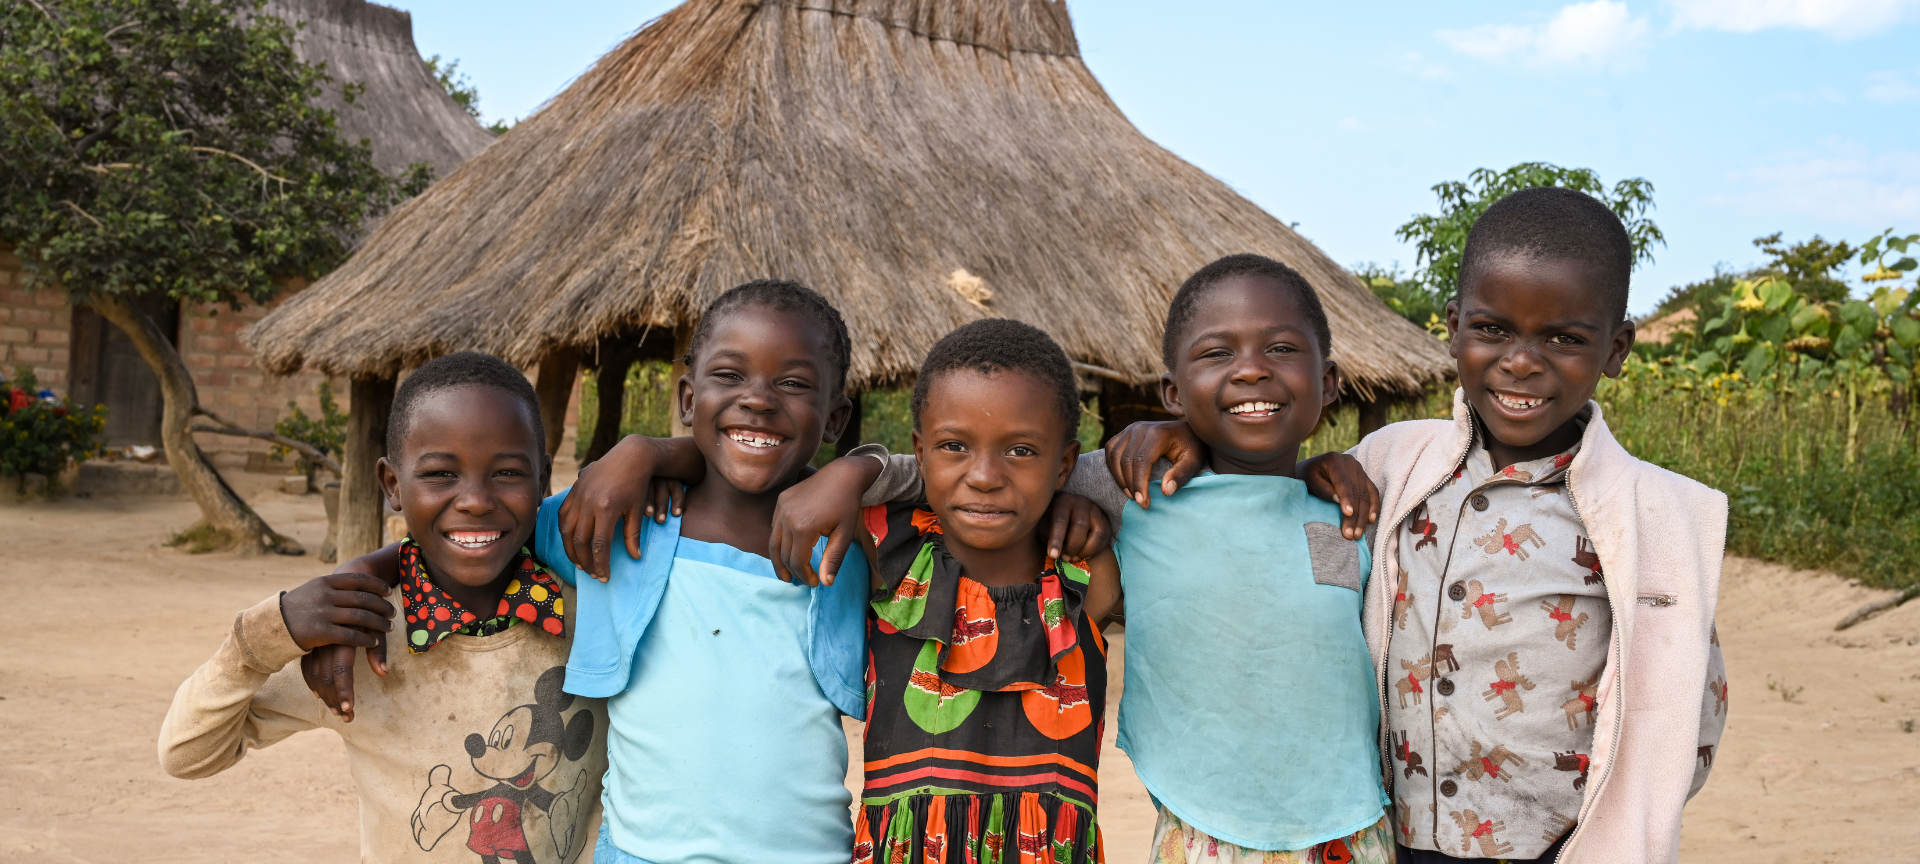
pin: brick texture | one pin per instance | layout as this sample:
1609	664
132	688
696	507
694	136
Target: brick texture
35	323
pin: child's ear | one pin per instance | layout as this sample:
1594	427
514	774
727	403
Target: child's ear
1453	328
837	420
1170	396
1069	457
1622	346
389	482
1329	384
683	397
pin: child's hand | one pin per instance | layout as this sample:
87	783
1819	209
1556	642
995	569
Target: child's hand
328	669
1338	477
1132	453
638	478
824	505
329	617
1080	528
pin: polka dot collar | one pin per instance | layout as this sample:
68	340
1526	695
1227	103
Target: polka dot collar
532	596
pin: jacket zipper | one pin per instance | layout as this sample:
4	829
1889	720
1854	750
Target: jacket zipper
1386	749
1619	684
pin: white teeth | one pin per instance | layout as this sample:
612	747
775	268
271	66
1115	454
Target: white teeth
473	539
1519	404
752	439
1248	407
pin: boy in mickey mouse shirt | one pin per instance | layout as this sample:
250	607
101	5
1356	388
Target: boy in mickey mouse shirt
469	724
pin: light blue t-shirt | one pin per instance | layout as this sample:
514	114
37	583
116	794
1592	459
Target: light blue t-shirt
707	766
1250	708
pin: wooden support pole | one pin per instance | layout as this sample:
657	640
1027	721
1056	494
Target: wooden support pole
850	438
362	507
558	371
1122	405
610	389
1373	415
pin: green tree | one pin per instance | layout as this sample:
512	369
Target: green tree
173	148
1808	265
461	88
1440	238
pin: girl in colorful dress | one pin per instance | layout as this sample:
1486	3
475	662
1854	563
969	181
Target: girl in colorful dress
986	670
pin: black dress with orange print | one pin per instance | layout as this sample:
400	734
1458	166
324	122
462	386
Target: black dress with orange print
984	709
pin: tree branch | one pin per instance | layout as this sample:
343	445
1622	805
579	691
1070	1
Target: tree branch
263	172
1100	371
227	427
76	208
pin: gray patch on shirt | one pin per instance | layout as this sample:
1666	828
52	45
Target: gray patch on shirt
1336	560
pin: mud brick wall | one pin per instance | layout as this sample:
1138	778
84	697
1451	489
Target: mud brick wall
35	326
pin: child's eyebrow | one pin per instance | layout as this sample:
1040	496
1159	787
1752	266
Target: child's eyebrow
740	354
1265	331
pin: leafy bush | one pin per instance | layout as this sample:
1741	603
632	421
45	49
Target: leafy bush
40	434
328	434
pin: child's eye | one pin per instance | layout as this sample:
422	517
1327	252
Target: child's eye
1021	450
795	384
1564	340
953	447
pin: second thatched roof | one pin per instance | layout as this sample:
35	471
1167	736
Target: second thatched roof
921	162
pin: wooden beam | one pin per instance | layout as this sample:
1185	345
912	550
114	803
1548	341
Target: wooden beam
1373	415
362	506
558	372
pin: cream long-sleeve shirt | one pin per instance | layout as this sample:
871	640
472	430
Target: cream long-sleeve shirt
470	749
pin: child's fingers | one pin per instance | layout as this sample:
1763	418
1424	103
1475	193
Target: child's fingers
661	503
677	496
799	554
342	673
377	655
837	545
1186	465
1060	530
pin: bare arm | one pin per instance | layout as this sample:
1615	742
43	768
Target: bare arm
620	487
1104	600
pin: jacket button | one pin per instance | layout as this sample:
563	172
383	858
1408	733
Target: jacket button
1448	787
1445	687
1479	502
1457	591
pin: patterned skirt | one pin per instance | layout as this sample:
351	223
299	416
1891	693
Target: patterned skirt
933	826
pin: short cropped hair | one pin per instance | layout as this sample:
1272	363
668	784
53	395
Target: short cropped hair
1180	312
1550	223
781	296
1002	344
462	369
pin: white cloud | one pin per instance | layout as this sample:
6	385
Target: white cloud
1839	18
1892	88
1843	182
1348	124
1596	33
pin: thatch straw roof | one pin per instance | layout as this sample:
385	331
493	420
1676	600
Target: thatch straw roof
868	148
404	113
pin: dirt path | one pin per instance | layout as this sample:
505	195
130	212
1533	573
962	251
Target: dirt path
107	623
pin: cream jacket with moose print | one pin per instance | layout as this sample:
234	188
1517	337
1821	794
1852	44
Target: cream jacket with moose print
1656	688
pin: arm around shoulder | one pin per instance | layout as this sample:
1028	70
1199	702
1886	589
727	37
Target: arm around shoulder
220	711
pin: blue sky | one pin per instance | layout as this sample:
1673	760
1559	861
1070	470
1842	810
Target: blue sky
1749	116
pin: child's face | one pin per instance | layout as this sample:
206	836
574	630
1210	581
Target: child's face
760	398
992	452
467	480
1532	339
1250	379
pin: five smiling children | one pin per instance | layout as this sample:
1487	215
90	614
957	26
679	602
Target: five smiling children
1516	667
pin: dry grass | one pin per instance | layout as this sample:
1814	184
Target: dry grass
867	149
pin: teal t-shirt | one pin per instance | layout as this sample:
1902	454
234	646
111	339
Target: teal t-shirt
1250	708
708	765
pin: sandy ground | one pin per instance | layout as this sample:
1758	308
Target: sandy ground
1818	763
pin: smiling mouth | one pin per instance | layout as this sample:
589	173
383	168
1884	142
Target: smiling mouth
524	780
1255	409
1518	403
981	513
474	539
756	440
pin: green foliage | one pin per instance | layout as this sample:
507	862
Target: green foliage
200	539
461	88
328	434
1808	265
1411	298
42	435
1695	295
173	147
1440	239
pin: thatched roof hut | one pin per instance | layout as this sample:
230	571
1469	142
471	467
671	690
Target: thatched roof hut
403	112
868	148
